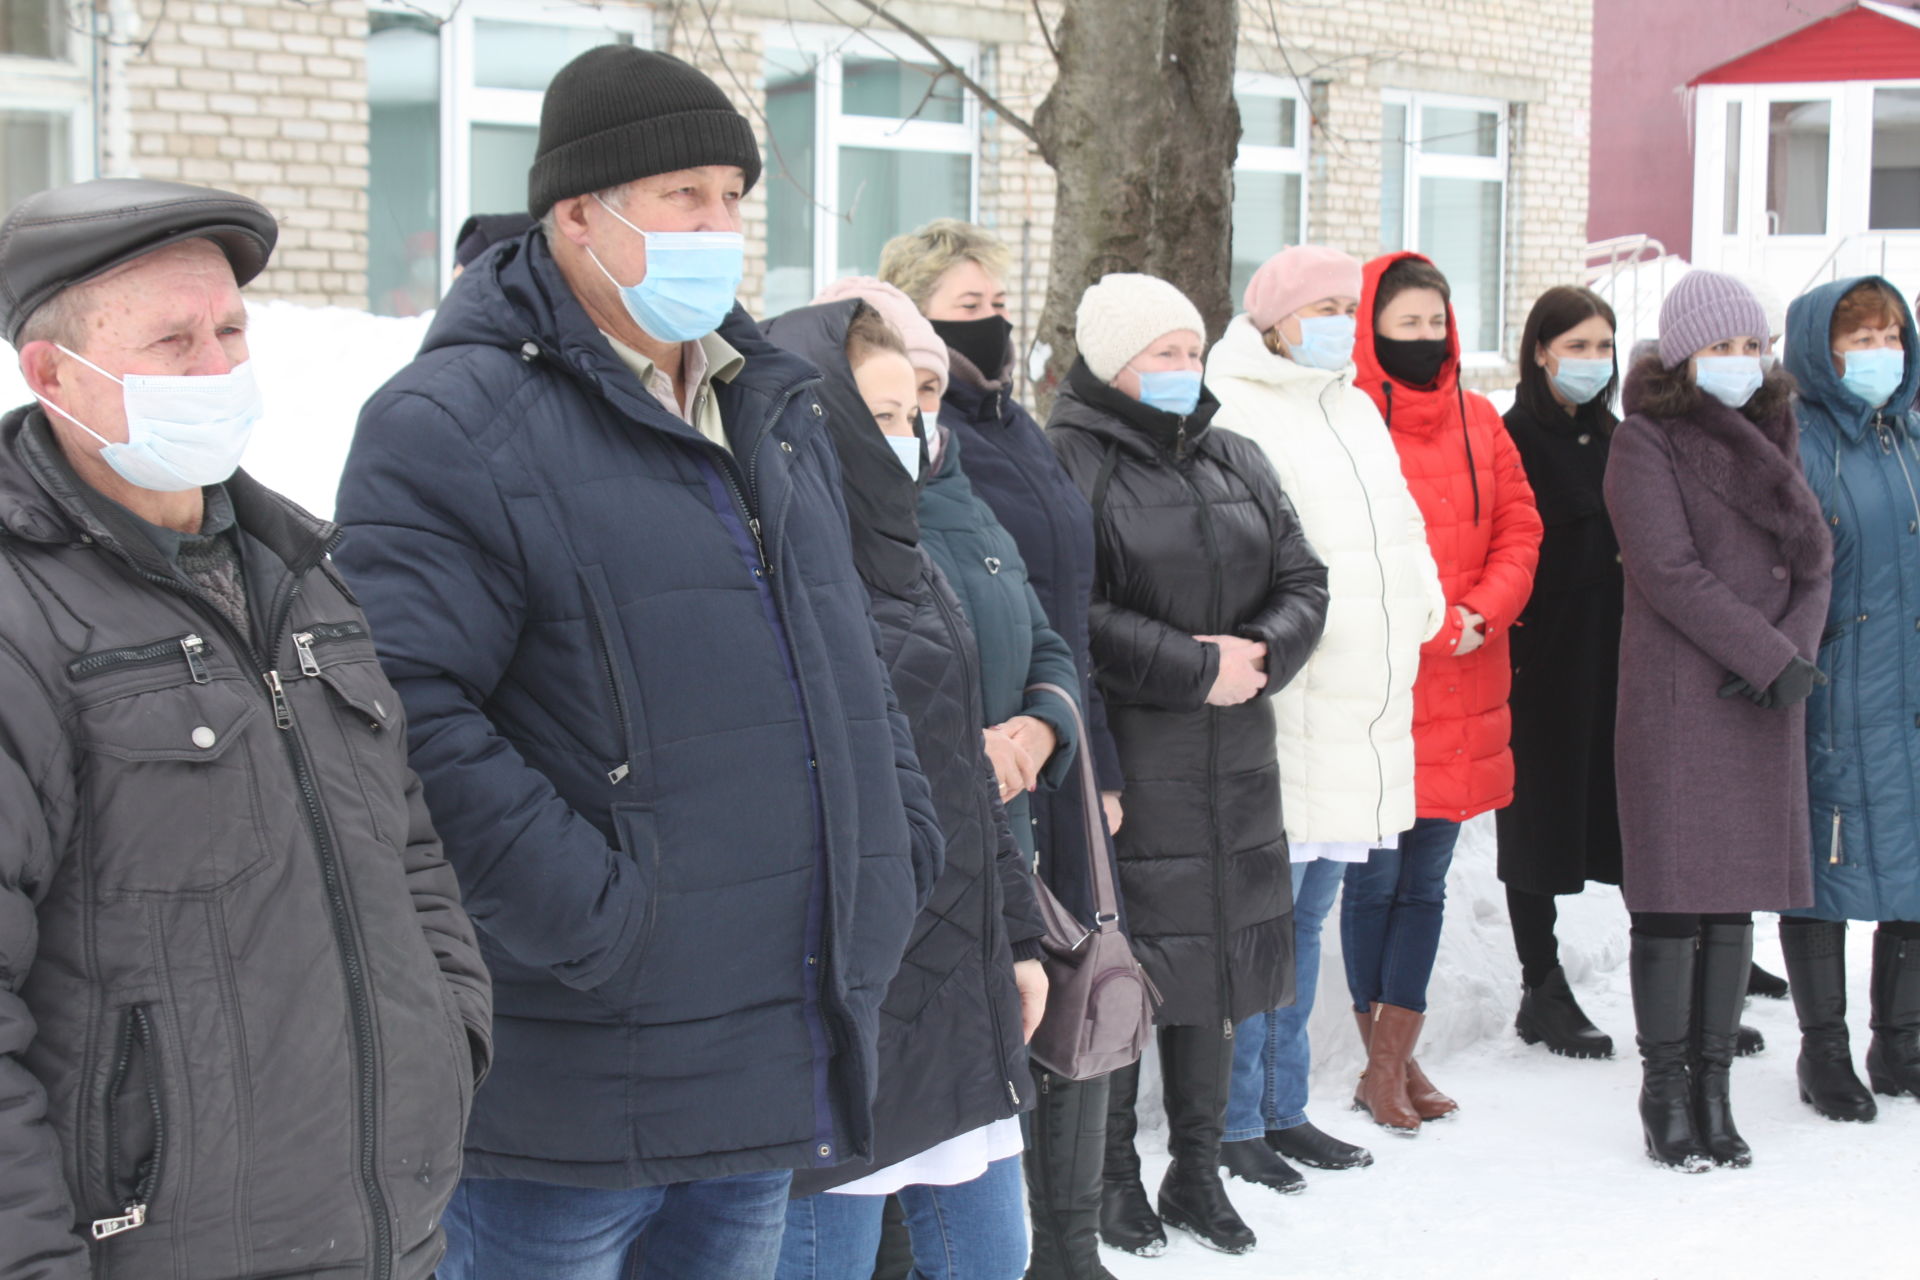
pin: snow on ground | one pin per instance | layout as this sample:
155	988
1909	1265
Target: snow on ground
1541	1174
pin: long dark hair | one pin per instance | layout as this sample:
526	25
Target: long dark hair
1559	309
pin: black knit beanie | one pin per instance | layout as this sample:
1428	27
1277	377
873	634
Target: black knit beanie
617	113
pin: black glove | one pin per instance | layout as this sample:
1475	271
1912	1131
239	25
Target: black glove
1795	684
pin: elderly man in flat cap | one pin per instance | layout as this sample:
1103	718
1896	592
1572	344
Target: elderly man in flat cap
598	526
241	1010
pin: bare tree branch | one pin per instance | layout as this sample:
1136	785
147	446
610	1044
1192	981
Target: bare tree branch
1040	19
954	69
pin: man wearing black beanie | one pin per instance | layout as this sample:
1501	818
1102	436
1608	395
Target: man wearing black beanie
597	529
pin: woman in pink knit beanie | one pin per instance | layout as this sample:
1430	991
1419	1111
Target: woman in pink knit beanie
926	352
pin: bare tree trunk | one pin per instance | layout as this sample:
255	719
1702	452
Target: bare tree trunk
1141	130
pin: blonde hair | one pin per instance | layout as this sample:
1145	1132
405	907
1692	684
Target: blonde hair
913	263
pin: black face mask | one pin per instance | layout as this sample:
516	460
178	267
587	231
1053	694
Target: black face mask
982	341
1416	362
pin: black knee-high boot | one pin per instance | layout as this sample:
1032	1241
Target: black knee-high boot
1196	1063
1816	952
1662	971
1893	1059
1066	1148
1720	992
1127	1219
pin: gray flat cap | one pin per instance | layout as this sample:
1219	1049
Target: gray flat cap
55	239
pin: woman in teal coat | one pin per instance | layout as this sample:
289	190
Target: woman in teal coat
1851	345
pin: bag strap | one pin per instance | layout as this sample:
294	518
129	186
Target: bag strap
1106	896
1101	478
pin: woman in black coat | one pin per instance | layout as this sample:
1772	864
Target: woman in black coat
1563	827
952	1050
1205	594
955	273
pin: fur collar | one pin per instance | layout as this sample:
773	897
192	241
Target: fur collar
1755	469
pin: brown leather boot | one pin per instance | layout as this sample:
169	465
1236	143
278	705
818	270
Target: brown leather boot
1427	1100
1382	1091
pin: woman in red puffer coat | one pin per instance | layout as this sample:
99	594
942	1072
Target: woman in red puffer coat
1484	533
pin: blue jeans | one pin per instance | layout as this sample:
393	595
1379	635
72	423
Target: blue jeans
971	1231
506	1229
1390	918
1271	1054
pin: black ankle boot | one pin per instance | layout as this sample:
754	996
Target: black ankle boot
1127	1219
1816	954
1768	986
1254	1161
1064	1158
1317	1150
1195	1063
1748	1041
1662	974
1720	990
1893	1059
1549	1014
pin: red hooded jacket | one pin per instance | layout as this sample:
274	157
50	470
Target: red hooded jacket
1484	532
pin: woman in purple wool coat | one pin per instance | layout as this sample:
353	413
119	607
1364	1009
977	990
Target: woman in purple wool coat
1728	566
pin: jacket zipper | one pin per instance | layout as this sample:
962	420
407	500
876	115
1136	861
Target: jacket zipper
135	1029
619	771
991	872
191	647
359	1003
1213	756
1833	846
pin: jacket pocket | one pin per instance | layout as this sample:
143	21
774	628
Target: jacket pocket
637	838
136	1127
182	751
608	642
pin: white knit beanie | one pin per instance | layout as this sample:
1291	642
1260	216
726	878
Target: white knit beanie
1123	314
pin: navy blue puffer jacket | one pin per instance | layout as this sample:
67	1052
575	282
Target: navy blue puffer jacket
644	698
1863	727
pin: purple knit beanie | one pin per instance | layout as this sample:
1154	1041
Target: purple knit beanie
1704	308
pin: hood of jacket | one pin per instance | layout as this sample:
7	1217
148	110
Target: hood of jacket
1418	410
515	298
881	497
1809	358
1136	427
1242	352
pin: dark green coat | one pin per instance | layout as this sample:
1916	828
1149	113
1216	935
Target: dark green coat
1017	645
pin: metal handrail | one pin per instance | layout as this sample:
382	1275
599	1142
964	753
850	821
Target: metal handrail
1619	253
1830	265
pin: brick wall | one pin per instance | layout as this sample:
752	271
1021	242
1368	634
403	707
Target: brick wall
267	98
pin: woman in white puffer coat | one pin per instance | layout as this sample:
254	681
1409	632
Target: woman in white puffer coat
1284	377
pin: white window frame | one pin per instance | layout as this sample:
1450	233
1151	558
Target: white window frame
834	129
1284	160
1495	168
58	87
464	104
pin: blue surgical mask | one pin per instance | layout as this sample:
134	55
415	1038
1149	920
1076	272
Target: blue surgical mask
1731	380
1875	375
1326	342
692	277
907	449
1581	380
182	432
1174	391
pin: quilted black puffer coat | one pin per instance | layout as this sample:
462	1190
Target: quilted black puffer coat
951	1055
1194	537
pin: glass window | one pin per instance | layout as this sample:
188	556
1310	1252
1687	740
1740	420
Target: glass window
403	163
1266	219
35	152
1459	131
1894	200
1730	190
1443	193
1798	147
1460	231
525	55
1267	121
862	143
789	180
899	90
1393	177
502	155
34	28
